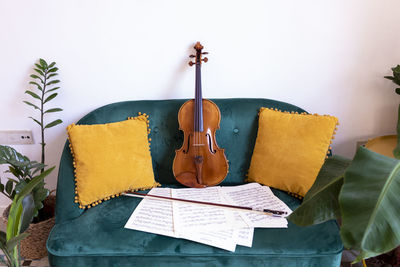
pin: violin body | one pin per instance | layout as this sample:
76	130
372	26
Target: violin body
199	162
214	166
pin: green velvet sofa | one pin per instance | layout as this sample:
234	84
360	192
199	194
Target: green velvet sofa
96	237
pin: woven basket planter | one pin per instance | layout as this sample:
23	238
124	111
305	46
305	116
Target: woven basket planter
34	245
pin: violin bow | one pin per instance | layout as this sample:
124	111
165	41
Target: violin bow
274	213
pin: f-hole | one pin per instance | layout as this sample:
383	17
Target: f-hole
210	145
187	146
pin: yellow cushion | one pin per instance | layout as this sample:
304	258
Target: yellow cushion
110	159
290	149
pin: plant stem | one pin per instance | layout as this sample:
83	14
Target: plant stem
9	261
16	262
41	117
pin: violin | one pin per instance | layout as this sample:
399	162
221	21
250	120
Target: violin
199	162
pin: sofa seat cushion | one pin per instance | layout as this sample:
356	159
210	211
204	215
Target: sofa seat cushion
100	232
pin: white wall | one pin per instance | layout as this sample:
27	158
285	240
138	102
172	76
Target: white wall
328	57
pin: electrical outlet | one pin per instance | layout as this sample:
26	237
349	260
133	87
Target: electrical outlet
16	137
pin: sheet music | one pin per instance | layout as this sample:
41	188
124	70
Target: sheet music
153	215
194	217
214	226
156	216
256	196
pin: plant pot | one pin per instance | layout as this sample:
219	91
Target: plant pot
383	145
34	245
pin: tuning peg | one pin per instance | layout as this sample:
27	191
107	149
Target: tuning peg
191	63
205	59
204	53
192	56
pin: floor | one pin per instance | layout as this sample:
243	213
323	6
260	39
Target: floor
33	263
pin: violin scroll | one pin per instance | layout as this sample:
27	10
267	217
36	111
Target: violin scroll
198	56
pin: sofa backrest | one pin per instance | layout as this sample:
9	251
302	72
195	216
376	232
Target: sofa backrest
237	134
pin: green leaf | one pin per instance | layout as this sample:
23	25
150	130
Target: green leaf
369	203
32	94
52	75
10	156
43	63
52	65
28	211
38	66
389	77
1	187
398	91
15	241
35	120
3	237
50	97
39	71
53	69
16	171
9	187
21	185
30	104
53	123
53	82
321	204
53	110
14	217
37	77
38	86
48	91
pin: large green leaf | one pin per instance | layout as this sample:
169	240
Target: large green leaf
9	155
28	211
15	240
369	202
14	217
320	204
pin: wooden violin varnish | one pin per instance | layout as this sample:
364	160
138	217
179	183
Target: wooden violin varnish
199	162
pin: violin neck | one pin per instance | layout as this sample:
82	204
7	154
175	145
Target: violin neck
198	101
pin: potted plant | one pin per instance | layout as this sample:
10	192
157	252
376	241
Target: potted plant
44	90
23	171
363	195
20	215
